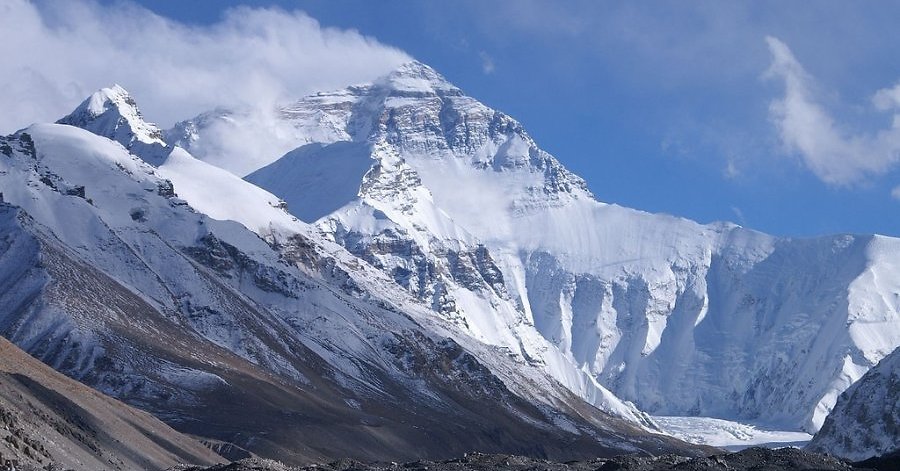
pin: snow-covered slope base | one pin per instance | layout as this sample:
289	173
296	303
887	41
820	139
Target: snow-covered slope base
457	204
186	291
866	420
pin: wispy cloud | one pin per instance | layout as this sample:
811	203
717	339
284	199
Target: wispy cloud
731	169
55	53
487	63
806	128
887	98
739	215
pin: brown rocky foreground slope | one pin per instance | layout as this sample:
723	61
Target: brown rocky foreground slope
49	421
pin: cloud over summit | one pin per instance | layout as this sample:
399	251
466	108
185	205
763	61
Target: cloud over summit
55	54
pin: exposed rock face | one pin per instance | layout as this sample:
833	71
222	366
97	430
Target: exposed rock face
414	176
47	419
865	423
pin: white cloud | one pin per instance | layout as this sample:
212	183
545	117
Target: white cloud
487	63
887	98
731	170
836	156
54	54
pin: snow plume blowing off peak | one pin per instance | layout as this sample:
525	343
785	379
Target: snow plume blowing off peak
56	53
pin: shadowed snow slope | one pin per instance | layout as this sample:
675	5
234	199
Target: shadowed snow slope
460	206
184	290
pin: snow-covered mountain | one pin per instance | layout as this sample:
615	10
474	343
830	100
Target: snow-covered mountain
865	421
456	202
186	291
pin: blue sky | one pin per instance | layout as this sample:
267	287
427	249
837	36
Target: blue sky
676	107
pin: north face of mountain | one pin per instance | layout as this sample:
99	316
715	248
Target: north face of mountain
457	203
192	294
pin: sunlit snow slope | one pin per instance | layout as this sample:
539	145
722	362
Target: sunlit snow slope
458	204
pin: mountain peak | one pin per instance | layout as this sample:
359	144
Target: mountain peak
112	112
100	100
416	78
